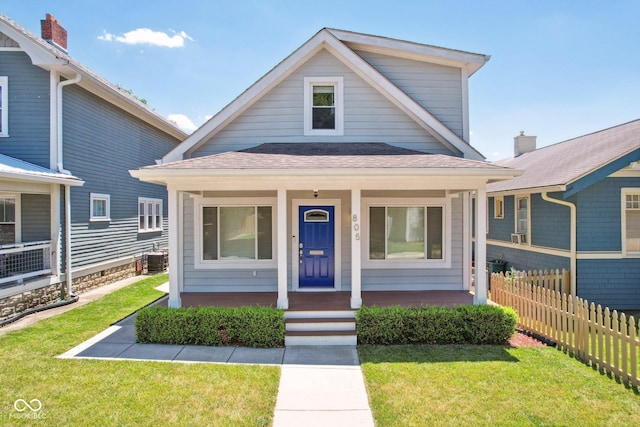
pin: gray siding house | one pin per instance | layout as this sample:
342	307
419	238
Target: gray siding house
345	168
575	207
71	216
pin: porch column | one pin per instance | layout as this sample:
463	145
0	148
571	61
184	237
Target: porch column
466	241
174	247
481	247
283	299
356	272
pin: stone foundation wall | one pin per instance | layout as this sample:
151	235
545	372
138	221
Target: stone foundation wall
16	304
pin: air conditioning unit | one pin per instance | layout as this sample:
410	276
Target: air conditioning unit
518	238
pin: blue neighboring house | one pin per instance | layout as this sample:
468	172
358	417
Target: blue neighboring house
71	216
577	207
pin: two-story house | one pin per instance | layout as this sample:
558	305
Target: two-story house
347	168
71	216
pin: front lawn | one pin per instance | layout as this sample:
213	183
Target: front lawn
105	393
491	385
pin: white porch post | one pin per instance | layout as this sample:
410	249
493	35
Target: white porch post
481	247
174	248
356	260
466	241
283	299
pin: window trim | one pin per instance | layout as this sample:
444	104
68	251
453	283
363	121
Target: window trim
17	213
4	107
515	217
155	203
443	202
624	192
239	202
498	205
107	199
338	83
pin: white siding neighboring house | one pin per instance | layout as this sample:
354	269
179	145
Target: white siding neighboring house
345	168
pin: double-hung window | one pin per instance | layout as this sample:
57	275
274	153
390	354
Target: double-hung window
631	221
7	220
149	215
4	106
235	233
399	233
323	106
100	207
522	217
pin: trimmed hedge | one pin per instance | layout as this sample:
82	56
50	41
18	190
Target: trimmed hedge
468	324
213	326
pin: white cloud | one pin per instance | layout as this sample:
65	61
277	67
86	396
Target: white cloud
149	37
183	122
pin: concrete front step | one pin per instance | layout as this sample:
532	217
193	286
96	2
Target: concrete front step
309	328
318	338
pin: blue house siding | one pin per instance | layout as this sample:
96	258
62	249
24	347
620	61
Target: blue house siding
599	215
501	229
550	223
101	144
526	260
610	283
28	90
36	217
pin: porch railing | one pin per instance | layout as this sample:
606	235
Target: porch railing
24	260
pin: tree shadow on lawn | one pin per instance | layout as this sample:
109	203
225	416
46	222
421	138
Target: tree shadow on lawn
434	353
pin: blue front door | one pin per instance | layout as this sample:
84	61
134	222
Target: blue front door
316	247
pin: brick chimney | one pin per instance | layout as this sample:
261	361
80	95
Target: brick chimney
53	32
523	144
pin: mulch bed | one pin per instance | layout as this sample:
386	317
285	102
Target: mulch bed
522	340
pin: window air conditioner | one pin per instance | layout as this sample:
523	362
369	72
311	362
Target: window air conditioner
518	238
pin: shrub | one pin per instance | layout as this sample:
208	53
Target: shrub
470	324
213	326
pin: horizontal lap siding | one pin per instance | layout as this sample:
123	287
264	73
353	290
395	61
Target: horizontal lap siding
437	88
36	217
550	223
501	228
28	90
278	116
521	259
610	283
101	145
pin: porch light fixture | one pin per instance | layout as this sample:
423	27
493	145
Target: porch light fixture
315	194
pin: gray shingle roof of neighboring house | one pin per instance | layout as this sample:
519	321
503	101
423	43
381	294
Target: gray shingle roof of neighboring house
11	167
565	162
326	156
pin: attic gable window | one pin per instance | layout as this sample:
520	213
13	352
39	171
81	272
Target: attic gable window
4	106
323	106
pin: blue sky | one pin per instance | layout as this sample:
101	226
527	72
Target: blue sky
558	69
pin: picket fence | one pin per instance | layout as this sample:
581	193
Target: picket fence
604	339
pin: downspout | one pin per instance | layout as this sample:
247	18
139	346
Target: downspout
573	260
67	188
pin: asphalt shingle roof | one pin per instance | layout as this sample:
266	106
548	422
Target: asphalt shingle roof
568	161
325	156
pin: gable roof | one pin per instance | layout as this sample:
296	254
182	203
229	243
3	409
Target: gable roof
336	42
573	164
12	168
51	58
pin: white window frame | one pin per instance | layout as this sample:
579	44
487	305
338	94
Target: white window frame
515	217
151	222
97	196
18	213
338	84
498	202
236	202
4	107
623	215
444	203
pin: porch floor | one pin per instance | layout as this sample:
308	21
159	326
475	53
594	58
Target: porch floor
324	301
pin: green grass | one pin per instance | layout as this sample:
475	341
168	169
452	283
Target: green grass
105	393
489	386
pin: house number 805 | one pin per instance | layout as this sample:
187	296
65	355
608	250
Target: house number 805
356	228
